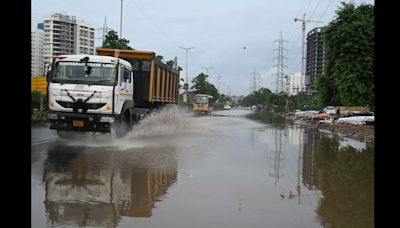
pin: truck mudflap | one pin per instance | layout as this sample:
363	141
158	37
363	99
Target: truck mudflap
80	122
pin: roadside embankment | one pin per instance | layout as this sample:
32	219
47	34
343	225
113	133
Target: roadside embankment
361	132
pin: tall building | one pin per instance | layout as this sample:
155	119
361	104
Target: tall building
315	58
63	34
85	38
296	83
37	65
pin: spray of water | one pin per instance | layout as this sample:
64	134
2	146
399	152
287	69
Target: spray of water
170	120
158	129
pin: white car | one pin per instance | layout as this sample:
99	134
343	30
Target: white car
227	107
330	110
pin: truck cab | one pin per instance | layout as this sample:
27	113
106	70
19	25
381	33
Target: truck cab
90	93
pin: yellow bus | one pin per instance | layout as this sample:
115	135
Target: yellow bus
203	103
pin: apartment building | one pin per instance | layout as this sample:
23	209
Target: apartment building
84	38
64	34
37	64
315	58
296	83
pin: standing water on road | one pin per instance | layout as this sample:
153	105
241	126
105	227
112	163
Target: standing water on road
179	170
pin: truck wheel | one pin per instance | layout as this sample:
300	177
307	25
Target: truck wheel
121	127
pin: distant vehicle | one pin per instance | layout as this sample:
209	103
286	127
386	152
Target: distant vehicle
227	107
330	110
203	103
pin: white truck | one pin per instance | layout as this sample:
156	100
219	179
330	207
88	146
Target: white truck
102	93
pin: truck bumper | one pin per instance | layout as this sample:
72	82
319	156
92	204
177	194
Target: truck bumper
79	122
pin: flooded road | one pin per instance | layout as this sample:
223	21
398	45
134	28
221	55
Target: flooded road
224	170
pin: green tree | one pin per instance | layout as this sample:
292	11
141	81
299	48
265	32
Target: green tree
171	63
159	58
262	96
201	85
349	57
35	98
112	41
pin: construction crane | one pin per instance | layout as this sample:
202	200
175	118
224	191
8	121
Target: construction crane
303	29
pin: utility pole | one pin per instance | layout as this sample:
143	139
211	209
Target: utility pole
303	29
280	86
207	68
120	25
187	49
186	86
219	82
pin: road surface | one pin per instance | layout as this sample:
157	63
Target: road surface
179	170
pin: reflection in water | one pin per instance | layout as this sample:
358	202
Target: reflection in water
97	186
279	137
311	177
276	156
343	174
347	184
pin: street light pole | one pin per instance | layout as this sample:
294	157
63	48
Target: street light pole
207	68
187	49
120	25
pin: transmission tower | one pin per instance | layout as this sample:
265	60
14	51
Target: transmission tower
105	30
280	81
255	81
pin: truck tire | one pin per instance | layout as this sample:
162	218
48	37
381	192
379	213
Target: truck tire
121	127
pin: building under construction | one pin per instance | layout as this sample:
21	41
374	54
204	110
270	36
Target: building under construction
315	59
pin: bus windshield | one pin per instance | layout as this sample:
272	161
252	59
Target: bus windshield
92	73
201	100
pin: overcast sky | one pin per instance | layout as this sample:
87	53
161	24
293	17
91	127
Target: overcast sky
217	29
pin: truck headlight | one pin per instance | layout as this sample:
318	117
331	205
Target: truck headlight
52	116
107	119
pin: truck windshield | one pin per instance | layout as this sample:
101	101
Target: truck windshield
201	100
92	73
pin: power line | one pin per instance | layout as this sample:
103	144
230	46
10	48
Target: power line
298	13
323	14
316	6
305	11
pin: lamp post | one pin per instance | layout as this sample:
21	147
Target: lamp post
187	50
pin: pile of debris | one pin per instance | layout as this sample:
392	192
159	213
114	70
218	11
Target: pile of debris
353	122
352	115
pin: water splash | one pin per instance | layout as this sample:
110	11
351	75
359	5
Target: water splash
159	128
